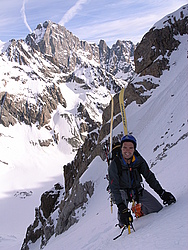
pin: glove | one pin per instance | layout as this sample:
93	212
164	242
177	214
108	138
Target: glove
167	198
125	215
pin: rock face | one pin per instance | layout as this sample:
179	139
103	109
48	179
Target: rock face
56	213
85	155
52	40
13	109
43	223
118	59
152	54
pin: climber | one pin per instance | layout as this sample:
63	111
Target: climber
125	182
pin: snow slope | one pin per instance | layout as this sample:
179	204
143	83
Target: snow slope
162	121
160	125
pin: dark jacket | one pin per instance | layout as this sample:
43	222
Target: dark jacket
130	177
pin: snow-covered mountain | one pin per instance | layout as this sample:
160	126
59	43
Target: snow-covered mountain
53	91
36	146
52	71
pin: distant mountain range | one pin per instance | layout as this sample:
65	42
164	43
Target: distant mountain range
50	57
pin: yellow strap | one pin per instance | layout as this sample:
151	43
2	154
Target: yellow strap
129	229
122	107
111	122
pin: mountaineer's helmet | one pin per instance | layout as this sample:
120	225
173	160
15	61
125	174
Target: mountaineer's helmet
128	138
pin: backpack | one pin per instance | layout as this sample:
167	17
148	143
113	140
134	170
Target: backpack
116	152
114	155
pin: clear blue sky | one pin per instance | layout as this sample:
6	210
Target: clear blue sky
89	20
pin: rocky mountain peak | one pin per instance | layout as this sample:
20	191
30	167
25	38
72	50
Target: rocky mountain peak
152	54
63	48
56	43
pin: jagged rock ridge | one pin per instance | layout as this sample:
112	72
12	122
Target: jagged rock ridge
52	40
153	53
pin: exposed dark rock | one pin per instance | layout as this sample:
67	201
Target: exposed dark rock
89	150
44	226
152	54
15	109
56	39
76	199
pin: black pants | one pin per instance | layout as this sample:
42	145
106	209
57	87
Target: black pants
148	202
